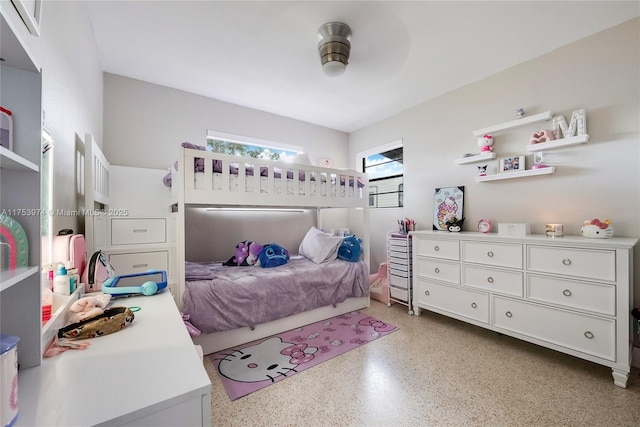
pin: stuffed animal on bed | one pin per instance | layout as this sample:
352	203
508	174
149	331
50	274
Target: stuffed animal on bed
349	249
273	255
247	253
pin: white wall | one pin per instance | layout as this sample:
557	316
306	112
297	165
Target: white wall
71	90
596	180
145	123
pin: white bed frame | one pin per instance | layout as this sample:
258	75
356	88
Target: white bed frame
93	185
185	192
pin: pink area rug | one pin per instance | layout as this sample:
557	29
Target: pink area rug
250	367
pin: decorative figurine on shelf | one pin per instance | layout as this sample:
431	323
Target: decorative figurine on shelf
482	170
541	136
485	142
519	113
597	229
454	224
538	160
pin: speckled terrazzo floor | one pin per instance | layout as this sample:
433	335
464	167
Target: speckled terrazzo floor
436	371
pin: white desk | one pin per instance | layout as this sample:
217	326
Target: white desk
148	374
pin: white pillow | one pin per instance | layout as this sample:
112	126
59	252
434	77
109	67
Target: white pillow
319	246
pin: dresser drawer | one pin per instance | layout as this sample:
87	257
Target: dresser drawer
401	294
499	254
399	281
464	302
393	260
501	281
401	272
446	249
139	262
587	334
399	243
438	270
134	231
596	264
599	298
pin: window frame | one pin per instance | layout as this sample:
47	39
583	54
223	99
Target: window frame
256	142
360	159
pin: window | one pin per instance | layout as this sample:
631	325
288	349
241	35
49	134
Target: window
250	147
385	169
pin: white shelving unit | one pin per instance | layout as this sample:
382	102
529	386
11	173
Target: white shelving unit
543	146
536	118
21	88
558	143
400	268
511	175
475	159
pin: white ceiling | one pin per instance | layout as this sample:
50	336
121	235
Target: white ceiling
263	54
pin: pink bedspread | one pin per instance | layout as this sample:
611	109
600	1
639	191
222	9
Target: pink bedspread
247	296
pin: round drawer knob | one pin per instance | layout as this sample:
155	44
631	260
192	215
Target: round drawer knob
490	254
474	305
426	293
566	293
436	248
490	279
508	314
437	270
566	261
588	334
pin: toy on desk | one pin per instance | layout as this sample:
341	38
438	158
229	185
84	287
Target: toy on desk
147	283
88	306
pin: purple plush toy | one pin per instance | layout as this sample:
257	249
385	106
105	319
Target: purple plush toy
247	253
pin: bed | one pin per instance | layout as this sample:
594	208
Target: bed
204	178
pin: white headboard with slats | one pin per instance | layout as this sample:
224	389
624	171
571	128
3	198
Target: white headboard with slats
96	188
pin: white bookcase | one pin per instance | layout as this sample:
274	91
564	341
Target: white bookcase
21	88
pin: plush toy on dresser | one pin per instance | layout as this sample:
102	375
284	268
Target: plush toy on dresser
597	229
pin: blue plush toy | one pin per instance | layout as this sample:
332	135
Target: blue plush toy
349	249
273	255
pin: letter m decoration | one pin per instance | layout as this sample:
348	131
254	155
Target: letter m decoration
578	123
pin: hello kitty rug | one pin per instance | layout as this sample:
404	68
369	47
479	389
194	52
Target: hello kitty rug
250	367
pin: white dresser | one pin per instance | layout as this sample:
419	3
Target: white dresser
570	294
399	268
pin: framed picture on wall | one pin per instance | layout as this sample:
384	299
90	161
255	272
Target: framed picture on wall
447	206
511	164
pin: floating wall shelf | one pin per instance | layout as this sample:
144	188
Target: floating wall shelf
558	143
511	175
541	117
474	159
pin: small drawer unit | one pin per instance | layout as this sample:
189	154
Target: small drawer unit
400	268
139	262
138	231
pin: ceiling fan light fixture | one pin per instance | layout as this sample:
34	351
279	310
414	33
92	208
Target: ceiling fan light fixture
334	47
